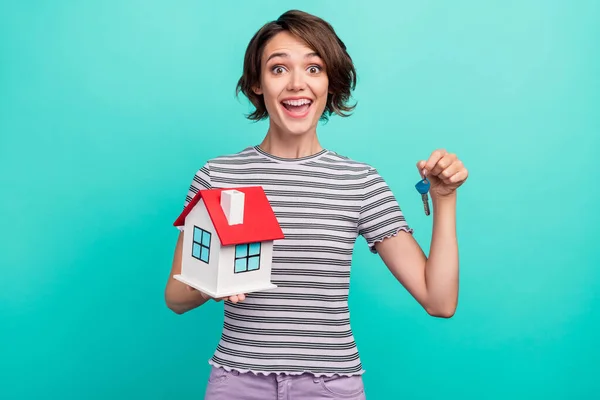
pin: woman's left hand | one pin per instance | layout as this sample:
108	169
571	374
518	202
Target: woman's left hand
444	171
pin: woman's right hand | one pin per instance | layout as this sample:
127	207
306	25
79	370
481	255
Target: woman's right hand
234	299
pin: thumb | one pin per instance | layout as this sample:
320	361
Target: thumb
421	167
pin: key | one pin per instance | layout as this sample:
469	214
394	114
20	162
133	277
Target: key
423	187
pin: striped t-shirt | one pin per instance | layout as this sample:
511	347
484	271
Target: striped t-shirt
322	202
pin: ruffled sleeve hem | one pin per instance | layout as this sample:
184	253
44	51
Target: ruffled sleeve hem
380	239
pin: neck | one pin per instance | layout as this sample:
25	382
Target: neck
285	145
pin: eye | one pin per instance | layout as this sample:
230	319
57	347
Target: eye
313	69
277	69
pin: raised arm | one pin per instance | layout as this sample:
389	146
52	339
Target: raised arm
432	281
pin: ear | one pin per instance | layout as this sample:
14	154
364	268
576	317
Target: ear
257	90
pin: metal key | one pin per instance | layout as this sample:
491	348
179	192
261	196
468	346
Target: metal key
423	187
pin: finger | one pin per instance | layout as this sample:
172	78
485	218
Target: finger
459	176
451	170
420	167
433	160
443	163
204	295
237	298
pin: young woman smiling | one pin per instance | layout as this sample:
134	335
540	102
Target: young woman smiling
296	340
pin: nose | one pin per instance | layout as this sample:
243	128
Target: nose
296	81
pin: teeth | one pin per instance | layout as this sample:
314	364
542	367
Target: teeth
297	103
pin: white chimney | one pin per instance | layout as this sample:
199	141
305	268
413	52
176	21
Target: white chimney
232	203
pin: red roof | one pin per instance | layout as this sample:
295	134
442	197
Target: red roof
259	224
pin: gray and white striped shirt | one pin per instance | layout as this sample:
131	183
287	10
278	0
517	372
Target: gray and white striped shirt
323	202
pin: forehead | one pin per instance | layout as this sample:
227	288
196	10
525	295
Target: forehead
284	43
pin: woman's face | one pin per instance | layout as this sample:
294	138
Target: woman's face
294	84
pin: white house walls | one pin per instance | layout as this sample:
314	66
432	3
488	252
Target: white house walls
232	282
194	269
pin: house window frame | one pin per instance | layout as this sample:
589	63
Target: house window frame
202	245
247	257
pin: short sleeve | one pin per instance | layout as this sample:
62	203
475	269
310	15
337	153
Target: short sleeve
200	181
380	214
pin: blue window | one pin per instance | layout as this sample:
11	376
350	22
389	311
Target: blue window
247	257
201	244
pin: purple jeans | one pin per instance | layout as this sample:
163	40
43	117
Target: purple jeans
225	385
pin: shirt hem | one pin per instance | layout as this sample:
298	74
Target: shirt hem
295	373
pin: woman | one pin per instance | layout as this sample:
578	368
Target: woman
296	339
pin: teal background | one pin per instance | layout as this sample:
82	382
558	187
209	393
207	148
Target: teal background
108	108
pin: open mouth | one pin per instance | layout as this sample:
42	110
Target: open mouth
297	108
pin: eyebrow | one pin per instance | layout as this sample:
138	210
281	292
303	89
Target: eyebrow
286	55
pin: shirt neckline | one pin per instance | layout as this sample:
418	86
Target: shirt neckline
289	160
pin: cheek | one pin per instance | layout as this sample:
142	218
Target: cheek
269	98
271	94
321	88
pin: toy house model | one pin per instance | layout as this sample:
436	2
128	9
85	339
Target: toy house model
228	241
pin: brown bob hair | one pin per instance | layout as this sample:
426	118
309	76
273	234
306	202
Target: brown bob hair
320	36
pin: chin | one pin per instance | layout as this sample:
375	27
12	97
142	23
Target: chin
296	128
